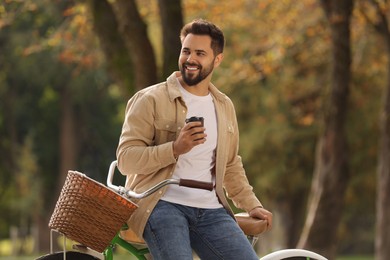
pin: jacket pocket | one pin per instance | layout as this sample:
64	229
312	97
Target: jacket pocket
165	131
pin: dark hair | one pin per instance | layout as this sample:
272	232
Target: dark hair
203	27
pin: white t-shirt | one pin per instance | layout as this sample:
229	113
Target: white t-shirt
198	163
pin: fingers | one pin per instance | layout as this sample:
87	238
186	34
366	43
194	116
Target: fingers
268	217
262	213
269	221
192	134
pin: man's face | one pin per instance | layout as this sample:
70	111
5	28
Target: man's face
196	60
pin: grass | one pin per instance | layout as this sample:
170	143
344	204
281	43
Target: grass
5	250
128	257
116	257
355	258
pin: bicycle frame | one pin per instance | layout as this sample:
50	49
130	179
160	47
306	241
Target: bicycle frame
140	252
133	195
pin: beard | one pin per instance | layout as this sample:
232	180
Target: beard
191	78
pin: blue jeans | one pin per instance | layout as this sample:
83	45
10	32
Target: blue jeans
173	230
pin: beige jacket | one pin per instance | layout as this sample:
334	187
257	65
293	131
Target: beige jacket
154	117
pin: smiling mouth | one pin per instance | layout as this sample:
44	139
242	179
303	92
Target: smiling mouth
191	67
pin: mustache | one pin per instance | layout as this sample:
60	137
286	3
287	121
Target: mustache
192	64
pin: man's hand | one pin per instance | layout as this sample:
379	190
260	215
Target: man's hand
262	213
192	134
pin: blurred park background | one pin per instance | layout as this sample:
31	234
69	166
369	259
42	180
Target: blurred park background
309	79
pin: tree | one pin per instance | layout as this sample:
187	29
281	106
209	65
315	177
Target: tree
120	25
117	56
331	173
275	67
134	33
58	104
171	24
382	239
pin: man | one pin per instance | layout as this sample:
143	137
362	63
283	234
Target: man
157	144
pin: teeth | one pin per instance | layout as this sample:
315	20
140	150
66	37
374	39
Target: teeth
192	67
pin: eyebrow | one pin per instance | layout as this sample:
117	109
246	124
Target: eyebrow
202	51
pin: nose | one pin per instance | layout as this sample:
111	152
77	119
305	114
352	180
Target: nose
189	57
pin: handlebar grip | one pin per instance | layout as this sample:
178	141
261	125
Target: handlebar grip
196	184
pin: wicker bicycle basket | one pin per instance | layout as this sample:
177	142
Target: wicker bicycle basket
88	212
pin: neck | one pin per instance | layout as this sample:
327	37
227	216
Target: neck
200	89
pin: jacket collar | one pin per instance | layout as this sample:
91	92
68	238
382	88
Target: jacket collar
174	88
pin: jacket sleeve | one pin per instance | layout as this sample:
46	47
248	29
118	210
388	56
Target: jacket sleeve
236	183
136	152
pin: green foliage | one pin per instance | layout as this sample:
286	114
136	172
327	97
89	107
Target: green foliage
276	70
36	66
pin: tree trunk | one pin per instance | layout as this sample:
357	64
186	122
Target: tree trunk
68	139
134	32
68	154
382	238
117	55
171	23
331	173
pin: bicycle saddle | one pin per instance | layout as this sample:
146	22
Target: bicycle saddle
251	226
131	237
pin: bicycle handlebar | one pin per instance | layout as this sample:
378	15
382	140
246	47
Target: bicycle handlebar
196	184
131	194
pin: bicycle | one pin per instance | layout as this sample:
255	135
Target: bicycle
93	215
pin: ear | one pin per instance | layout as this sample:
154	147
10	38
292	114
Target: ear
218	60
